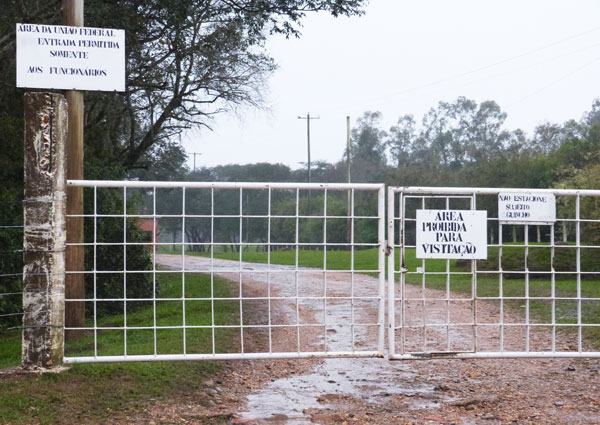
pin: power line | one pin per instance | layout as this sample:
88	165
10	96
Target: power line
538	63
483	68
500	62
558	80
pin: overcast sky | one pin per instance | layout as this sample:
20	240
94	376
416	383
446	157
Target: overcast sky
539	59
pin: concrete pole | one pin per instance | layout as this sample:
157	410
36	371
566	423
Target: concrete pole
348	152
308	143
75	286
195	153
308	118
348	147
45	230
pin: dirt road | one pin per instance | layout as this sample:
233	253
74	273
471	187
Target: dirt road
378	391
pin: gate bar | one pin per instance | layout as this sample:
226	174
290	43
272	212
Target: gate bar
223	185
222	356
489	191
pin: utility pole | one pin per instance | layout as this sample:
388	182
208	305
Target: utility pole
308	118
348	147
72	15
348	154
195	153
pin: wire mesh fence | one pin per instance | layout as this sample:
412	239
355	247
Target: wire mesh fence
11	275
537	292
251	270
219	270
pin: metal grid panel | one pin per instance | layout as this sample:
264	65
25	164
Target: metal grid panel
232	271
537	294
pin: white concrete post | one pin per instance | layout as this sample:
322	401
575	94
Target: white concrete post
45	230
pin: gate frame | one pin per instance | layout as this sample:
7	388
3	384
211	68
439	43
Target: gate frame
473	192
381	245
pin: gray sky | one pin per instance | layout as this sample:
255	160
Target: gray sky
539	59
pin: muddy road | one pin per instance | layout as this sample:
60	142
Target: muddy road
375	390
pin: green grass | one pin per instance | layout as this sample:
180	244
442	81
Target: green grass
539	258
96	392
10	348
168	313
336	260
488	284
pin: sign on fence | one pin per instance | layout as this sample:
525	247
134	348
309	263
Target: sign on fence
451	234
70	58
527	208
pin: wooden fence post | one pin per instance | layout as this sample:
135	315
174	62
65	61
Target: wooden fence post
73	15
45	230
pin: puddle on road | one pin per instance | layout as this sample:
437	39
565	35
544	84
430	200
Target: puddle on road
368	379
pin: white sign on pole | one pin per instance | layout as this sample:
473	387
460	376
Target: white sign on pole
527	207
70	58
460	234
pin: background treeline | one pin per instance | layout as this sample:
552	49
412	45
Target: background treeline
188	60
461	143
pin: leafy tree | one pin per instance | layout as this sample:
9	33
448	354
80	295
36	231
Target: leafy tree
578	160
11	211
368	148
165	160
461	132
187	60
321	172
401	139
259	172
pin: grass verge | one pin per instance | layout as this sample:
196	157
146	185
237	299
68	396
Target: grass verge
336	260
95	393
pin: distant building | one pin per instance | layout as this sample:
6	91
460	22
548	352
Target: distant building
150	226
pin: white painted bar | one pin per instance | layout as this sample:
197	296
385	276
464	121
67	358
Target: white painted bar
223	185
498	355
244	356
489	191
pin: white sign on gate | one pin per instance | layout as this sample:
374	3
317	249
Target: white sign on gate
70	58
452	234
527	208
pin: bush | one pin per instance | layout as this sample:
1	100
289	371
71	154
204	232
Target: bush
112	257
11	262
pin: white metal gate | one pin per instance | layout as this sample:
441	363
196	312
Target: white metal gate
189	270
536	295
231	271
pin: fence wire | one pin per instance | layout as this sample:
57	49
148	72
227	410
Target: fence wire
536	295
11	275
230	270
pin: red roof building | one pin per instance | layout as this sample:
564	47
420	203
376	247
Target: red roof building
150	225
